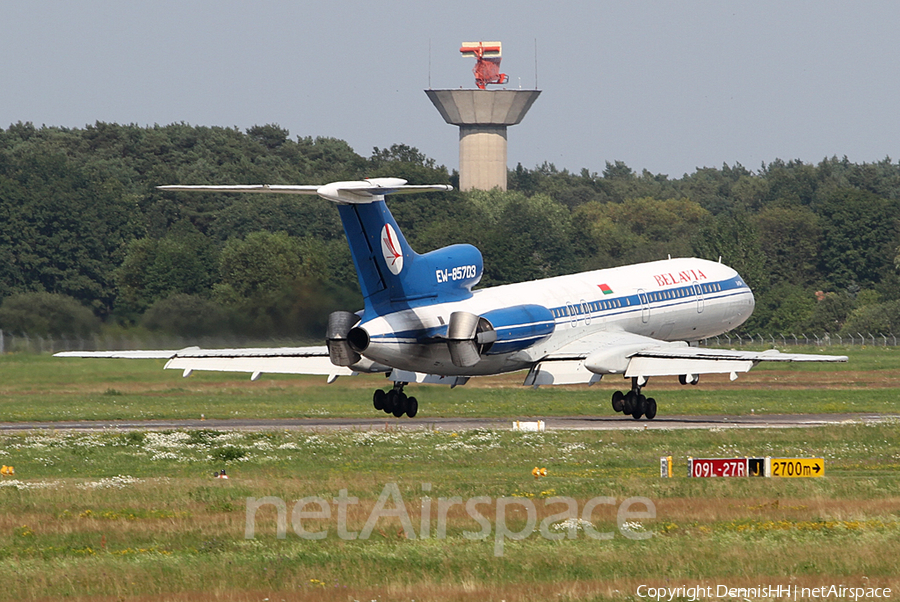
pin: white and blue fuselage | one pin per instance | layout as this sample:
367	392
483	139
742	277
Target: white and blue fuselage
671	300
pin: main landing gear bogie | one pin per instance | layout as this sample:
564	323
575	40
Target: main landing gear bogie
634	403
395	401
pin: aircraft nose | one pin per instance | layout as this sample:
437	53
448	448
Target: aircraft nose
743	306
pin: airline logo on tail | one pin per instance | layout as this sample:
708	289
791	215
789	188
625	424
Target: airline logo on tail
390	248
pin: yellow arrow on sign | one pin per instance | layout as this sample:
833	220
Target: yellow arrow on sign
798	467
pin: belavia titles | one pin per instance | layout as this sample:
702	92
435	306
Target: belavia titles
422	321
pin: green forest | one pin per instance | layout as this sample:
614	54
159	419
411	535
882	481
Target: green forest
88	243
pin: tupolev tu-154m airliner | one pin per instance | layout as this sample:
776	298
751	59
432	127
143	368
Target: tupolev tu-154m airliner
422	321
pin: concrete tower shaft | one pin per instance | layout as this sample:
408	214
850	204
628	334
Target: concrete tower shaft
482	117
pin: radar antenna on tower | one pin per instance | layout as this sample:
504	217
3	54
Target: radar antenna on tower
487	62
482	117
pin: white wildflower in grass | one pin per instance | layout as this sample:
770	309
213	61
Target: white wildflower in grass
263	445
484	436
28	485
484	440
289	445
319	442
165	446
460	443
365	438
88	441
571	447
38	442
633	526
173	440
370	438
116	482
456	445
578	524
165	455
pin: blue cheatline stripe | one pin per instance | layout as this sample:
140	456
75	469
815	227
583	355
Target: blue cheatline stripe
440	331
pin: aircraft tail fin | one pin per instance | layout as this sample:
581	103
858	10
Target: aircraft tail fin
390	272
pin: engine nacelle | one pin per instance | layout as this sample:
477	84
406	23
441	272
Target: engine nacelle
340	323
515	328
469	337
462	334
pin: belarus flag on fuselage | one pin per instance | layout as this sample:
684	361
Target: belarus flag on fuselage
605	288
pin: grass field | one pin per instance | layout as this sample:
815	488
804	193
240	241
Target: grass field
138	516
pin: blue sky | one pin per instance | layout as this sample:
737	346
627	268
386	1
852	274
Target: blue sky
664	86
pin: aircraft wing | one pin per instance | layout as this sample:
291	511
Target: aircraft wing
158	354
588	359
277	360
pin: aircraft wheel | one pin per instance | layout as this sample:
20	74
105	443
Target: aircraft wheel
650	408
628	403
638	409
378	399
618	401
412	407
400	405
682	379
390	400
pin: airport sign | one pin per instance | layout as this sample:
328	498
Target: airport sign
798	467
717	467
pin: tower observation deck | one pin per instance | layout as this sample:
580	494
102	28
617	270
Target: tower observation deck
482	117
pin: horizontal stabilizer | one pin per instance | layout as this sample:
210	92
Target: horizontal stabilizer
353	192
260	188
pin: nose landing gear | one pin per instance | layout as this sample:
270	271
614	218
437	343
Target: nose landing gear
395	401
634	403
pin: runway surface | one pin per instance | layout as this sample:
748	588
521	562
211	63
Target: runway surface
599	423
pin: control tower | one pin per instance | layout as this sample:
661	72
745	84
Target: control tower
482	117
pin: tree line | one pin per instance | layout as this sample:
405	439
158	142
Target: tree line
88	242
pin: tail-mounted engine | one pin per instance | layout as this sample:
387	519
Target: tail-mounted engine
469	337
340	323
